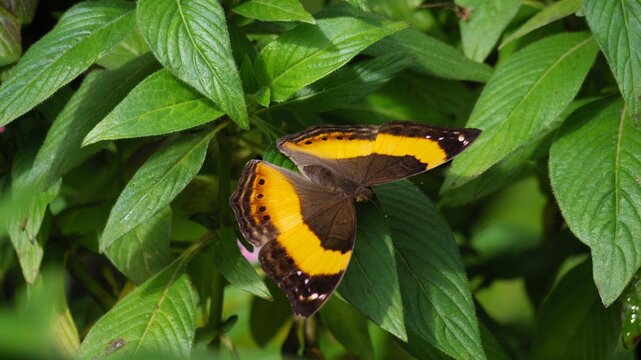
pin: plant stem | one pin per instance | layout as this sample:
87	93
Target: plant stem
80	273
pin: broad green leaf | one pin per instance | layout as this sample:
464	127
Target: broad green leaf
190	38
616	25
234	267
98	94
371	282
274	10
513	167
158	315
309	52
144	251
348	326
131	47
573	324
516	107
160	104
10	39
348	84
549	14
595	170
84	33
432	56
487	20
492	347
437	302
155	184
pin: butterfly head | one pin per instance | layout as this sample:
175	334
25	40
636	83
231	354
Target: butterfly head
363	194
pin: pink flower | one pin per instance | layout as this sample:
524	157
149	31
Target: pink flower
251	256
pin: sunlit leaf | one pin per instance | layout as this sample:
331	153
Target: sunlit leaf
85	33
274	10
190	38
516	107
159	104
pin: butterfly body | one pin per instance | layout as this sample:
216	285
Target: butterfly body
305	223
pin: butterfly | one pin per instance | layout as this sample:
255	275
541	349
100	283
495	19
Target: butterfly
305	223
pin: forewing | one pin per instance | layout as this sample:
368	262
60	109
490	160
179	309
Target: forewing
368	155
306	231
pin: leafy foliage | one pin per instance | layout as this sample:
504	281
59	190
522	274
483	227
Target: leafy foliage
125	124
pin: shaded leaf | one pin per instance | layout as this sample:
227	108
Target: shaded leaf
158	315
98	94
274	10
348	326
10	39
160	104
551	13
437	302
573	324
190	38
143	251
234	267
348	84
84	33
616	25
24	10
309	52
602	211
268	317
487	20
631	304
516	107
371	282
155	184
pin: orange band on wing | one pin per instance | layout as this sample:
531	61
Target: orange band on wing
339	146
275	200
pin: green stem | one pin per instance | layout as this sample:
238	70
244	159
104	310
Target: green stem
80	273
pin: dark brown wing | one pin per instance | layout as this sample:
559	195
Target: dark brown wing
306	231
348	156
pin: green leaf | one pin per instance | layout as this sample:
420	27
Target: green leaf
547	15
516	107
144	251
10	39
268	317
190	38
616	25
85	33
348	326
513	167
274	10
602	211
158	315
572	322
98	94
437	302
24	10
309	52
234	267
131	47
432	56
155	184
24	224
361	4
272	155
371	282
348	84
160	104
487	20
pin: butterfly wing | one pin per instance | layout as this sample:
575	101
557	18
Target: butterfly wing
369	155
306	231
